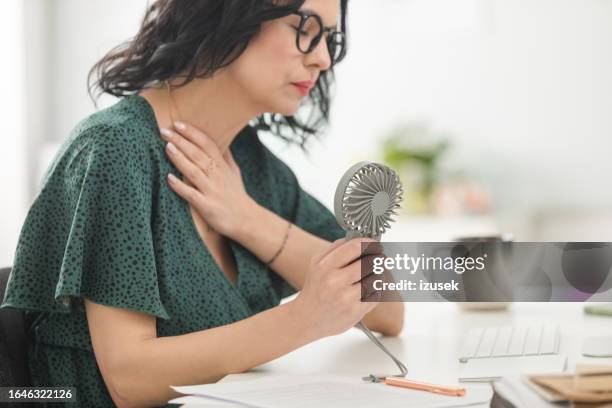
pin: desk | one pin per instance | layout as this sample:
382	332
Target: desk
430	342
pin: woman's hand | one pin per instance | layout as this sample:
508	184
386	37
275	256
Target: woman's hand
211	183
331	300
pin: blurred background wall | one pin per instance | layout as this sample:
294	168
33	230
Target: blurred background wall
14	160
520	91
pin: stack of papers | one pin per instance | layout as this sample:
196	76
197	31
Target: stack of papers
591	384
517	391
319	390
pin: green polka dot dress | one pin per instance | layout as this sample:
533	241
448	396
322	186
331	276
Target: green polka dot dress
107	226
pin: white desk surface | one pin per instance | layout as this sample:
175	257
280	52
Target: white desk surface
430	342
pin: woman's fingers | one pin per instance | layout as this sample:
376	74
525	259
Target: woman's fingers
330	248
193	172
190	194
198	138
349	252
359	271
373	297
367	282
198	146
193	152
229	158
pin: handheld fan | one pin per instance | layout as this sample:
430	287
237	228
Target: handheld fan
365	200
366	197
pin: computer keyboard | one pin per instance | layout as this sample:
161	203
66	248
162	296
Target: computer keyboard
510	341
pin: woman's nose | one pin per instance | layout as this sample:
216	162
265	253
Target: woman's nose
320	56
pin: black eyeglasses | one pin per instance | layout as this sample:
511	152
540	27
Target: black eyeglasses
310	32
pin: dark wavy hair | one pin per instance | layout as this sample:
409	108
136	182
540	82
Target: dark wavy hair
199	37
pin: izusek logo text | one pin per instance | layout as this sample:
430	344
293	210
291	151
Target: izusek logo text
412	264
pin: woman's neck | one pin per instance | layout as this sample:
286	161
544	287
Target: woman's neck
214	105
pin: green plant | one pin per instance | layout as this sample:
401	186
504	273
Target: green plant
414	147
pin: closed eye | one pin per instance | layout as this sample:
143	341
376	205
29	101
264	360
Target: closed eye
300	31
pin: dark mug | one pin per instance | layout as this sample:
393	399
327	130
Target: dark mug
490	287
586	266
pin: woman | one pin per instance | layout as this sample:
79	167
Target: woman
135	281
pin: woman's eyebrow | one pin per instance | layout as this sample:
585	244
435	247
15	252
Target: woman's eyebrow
310	11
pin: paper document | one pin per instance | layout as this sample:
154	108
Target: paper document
326	390
516	392
192	401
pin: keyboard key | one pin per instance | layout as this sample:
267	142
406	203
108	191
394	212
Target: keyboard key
510	341
503	342
517	341
471	344
550	340
532	341
487	342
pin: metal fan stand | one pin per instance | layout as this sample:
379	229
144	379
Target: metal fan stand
377	208
381	377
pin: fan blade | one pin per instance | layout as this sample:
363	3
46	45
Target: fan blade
362	188
359	207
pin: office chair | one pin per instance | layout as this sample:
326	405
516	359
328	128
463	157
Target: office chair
14	369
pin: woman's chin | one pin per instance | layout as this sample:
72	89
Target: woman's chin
288	103
288	109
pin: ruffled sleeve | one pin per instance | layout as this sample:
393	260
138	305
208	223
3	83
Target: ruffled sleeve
312	216
88	232
302	209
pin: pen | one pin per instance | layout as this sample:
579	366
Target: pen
416	385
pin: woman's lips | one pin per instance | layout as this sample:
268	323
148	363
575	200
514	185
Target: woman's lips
303	87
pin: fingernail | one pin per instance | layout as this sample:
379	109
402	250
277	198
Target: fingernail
172	177
171	147
180	125
166	133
